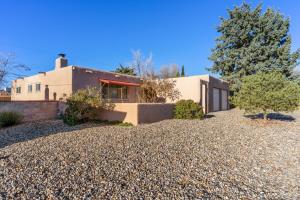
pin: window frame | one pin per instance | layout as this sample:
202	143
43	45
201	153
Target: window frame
29	86
40	87
109	89
18	90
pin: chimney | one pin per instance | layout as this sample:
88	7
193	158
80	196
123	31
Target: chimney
61	61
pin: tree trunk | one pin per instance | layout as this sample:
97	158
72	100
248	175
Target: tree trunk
265	116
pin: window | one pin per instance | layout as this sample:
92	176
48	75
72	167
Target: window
37	87
18	90
29	88
114	91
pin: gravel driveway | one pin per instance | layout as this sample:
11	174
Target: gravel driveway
225	156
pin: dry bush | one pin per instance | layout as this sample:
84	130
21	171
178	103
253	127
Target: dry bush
158	91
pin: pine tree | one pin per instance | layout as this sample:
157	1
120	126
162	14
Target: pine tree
252	41
182	71
125	70
267	92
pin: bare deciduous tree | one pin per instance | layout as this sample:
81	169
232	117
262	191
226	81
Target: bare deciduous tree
154	89
169	71
143	65
9	68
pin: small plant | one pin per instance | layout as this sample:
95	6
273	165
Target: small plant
126	124
188	109
10	118
84	105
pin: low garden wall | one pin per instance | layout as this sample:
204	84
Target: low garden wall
32	110
5	98
154	112
139	113
135	113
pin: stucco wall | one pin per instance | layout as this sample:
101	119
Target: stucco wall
32	110
135	113
189	87
83	77
154	112
124	112
58	81
64	81
138	113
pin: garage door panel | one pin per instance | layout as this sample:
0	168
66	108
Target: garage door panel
216	99
224	100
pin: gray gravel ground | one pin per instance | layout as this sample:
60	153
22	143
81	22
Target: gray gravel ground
226	156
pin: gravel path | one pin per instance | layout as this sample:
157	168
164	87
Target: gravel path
225	156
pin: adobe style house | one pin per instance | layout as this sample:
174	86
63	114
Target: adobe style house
59	84
65	79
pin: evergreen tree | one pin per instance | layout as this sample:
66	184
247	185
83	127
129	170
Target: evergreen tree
252	41
182	71
125	70
266	92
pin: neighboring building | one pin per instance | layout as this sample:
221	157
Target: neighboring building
210	92
5	95
65	79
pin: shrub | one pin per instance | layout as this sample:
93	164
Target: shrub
154	91
126	124
114	123
266	92
84	105
188	109
10	118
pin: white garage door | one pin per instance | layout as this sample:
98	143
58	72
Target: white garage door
216	99
224	100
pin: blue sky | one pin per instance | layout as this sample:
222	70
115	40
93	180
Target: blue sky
101	34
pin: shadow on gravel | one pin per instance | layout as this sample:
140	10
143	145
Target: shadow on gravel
208	116
273	116
33	130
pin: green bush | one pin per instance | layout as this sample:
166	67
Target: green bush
267	92
10	118
126	124
188	109
84	105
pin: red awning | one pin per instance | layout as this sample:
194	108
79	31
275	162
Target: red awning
119	82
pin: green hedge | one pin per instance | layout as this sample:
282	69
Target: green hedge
10	118
188	109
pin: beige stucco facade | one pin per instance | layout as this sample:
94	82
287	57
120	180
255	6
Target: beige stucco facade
58	81
64	80
200	89
59	84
